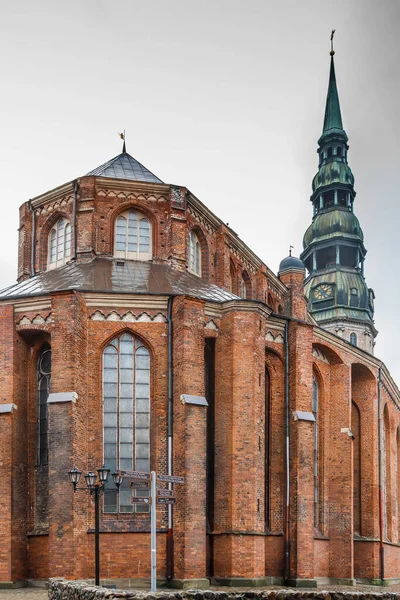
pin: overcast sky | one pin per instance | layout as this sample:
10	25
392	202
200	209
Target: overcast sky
225	97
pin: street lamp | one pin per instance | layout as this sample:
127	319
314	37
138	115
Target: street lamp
95	485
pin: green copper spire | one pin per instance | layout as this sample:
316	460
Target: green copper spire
333	118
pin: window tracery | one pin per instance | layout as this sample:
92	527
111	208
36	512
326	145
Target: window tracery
126	415
133	239
59	251
43	375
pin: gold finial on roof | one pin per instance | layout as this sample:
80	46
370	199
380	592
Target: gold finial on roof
332	52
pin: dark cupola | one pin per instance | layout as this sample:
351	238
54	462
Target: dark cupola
334	251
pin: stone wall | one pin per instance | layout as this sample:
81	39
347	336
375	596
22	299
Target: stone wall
61	589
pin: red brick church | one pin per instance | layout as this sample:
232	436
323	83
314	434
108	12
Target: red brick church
144	334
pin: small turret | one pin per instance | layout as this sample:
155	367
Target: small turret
291	273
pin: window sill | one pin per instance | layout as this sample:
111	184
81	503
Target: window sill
125	527
39	531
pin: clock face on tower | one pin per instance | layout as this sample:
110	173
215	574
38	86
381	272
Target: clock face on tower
323	291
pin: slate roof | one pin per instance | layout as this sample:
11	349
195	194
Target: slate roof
124	166
114	276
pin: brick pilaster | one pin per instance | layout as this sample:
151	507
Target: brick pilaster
189	441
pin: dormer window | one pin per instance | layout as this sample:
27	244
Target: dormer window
59	244
194	254
132	236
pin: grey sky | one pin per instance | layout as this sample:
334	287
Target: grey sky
225	97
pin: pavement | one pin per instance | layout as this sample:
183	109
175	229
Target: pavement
27	593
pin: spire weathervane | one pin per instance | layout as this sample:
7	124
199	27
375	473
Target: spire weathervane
122	136
290	250
332	52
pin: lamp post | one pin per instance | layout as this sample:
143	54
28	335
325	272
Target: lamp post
95	485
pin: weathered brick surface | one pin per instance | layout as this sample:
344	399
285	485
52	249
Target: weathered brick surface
46	530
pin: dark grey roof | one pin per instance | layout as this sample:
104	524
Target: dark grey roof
110	276
290	262
124	166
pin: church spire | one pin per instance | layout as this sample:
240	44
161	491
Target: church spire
333	117
334	251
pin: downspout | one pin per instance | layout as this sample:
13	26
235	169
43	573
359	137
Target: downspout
32	239
286	558
170	534
380	471
76	189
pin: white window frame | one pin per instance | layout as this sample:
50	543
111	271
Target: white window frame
59	244
195	258
133	228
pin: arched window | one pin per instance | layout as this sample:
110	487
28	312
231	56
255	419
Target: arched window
387	475
43	374
318	452
339	151
126	415
133	236
356	431
267	451
59	250
353	339
194	254
232	277
330	151
242	288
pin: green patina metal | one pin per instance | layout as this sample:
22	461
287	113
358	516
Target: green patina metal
333	172
333	117
333	224
334	250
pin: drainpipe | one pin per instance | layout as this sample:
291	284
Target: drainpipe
170	535
32	239
380	471
76	189
286	557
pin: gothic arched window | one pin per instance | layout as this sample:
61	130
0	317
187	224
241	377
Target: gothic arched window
126	414
242	288
43	374
133	236
318	450
194	254
59	251
353	339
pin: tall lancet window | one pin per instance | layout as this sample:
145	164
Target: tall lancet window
133	236
126	415
43	374
59	251
194	254
318	446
